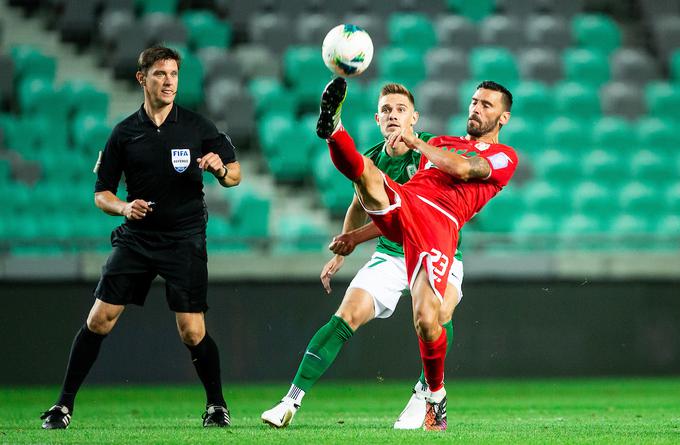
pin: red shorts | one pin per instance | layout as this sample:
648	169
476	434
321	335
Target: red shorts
428	233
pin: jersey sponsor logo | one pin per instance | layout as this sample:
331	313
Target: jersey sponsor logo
481	146
499	160
181	158
411	170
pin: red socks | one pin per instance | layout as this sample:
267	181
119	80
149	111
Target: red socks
433	354
344	154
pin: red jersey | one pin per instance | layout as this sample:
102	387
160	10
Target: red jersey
459	198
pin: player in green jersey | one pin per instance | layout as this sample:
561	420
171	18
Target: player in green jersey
377	287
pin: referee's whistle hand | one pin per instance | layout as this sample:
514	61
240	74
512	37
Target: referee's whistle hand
136	209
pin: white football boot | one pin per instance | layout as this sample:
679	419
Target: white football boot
413	415
280	415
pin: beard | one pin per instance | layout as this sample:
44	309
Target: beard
482	129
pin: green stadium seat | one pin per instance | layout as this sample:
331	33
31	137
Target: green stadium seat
640	198
586	66
630	224
546	198
652	167
18	198
151	6
305	72
335	190
580	231
361	100
411	30
223	237
297	233
500	213
83	97
669	225
292	159
660	132
531	100
595	199
368	134
475	11
577	100
596	31
190	91
494	63
614	133
205	30
90	133
610	169
457	125
270	96
271	128
568	135
672	199
521	134
402	65
30	63
560	166
534	230
5	171
51	135
663	100
675	66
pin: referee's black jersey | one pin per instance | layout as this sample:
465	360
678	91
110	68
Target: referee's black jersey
160	165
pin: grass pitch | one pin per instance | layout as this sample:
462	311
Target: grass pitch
594	411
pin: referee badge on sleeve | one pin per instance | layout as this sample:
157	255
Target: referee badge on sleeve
181	158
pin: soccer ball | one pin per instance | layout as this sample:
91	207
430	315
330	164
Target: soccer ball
347	50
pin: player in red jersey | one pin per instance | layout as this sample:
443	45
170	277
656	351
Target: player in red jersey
457	177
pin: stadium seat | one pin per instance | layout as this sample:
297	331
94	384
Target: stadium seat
661	131
533	101
666	33
558	166
547	198
297	233
257	60
633	66
521	134
652	167
548	31
669	225
157	6
77	21
559	7
219	63
494	63
500	213
630	225
577	100
335	190
305	71
437	98
622	99
672	198
456	32
83	97
607	167
586	66
594	198
272	30
541	64
638	197
30	63
663	99
402	65
614	133
596	31
90	133
190	92
411	30
501	30
164	28
447	64
474	11
675	66
581	231
568	135
206	30
311	28
292	160
270	96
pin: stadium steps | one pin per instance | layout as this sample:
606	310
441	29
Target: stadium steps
22	30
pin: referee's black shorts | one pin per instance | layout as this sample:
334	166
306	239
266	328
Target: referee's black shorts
137	259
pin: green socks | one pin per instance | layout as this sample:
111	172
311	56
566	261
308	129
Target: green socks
448	326
321	352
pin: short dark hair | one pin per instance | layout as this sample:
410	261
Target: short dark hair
152	55
397	88
507	95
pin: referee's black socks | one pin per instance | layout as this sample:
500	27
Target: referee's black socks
206	359
84	352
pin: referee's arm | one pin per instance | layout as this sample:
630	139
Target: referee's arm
232	176
112	205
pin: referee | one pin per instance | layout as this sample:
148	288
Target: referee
163	150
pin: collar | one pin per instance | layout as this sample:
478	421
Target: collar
145	119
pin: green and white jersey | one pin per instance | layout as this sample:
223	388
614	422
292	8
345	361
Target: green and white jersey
400	169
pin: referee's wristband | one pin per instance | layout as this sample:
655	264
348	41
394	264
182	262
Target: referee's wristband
226	171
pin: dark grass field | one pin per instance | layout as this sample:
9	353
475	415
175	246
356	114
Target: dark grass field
594	411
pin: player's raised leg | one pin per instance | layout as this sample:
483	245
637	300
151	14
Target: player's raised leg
359	169
413	414
206	359
432	342
84	351
357	308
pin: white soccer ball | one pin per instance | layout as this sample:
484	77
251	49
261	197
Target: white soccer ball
347	50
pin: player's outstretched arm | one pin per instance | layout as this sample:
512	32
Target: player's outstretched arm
451	163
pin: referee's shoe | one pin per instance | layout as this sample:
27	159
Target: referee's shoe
216	416
56	418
